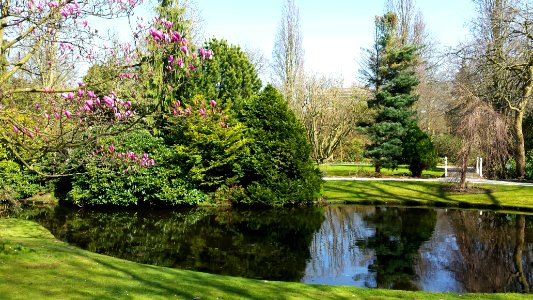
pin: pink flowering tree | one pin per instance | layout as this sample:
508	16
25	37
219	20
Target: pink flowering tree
44	110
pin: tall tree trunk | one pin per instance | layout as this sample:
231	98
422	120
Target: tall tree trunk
520	150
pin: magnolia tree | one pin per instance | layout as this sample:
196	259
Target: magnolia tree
39	114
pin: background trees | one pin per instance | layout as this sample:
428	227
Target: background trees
330	113
288	54
502	54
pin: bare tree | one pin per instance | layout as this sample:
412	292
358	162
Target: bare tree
480	129
288	54
503	54
330	113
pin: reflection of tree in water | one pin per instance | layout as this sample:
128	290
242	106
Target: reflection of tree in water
399	233
496	252
268	244
333	250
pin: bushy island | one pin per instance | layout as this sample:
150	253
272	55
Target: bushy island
218	140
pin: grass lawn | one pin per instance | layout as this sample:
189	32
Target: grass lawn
507	197
34	265
368	171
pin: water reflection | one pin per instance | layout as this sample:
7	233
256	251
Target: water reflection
367	246
268	244
422	249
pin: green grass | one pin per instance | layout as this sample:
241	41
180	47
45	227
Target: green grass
506	197
368	171
34	265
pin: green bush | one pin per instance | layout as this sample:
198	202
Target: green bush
210	153
418	151
111	182
279	170
16	182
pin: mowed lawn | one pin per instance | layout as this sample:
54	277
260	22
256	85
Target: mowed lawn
355	170
34	265
407	192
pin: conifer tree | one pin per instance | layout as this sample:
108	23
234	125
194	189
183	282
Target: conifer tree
391	76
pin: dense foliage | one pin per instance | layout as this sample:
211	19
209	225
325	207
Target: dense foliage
16	182
279	170
229	77
418	151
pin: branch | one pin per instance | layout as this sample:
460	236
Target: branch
22	61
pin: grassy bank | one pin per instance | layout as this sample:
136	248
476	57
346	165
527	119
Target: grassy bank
368	171
34	265
429	193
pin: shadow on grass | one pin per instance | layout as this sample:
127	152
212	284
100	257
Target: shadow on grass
425	193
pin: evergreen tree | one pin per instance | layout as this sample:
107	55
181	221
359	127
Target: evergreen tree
228	78
279	170
391	75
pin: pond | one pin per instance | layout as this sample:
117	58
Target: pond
365	246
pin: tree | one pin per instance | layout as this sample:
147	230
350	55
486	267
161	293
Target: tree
279	170
288	54
418	151
41	118
329	114
391	76
503	56
480	129
230	76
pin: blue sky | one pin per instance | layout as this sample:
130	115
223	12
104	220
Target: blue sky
334	31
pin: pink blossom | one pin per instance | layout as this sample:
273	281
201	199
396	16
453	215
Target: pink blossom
15	129
68	114
112	148
109	101
213	103
185	50
69	96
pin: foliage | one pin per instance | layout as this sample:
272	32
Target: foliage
418	151
511	166
279	170
446	145
390	73
208	149
228	78
16	182
112	182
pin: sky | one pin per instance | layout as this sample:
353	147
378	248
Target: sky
334	31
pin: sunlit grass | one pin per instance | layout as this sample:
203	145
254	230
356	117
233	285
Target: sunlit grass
34	265
356	170
509	197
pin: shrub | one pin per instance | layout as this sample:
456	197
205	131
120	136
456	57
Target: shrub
418	151
115	183
16	182
279	170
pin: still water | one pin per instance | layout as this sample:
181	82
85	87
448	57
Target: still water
365	246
